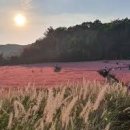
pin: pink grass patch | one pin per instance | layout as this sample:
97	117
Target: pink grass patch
43	74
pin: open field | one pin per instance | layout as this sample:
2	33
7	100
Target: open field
43	74
84	106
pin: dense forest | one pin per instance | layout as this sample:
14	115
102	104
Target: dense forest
88	41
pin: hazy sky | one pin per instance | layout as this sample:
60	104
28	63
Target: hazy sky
41	14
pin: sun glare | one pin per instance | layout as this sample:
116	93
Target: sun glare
20	20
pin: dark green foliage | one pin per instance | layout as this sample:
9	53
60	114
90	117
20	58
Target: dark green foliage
88	41
2	60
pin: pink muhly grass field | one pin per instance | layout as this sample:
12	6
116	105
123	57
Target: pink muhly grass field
43	74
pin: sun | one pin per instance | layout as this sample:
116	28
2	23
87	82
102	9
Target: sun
20	20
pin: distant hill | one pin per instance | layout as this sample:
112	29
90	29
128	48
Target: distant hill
9	50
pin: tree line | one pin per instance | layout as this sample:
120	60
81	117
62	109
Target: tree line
85	42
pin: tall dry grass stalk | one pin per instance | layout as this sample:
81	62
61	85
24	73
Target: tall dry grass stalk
100	98
39	125
53	103
107	126
10	121
19	109
86	111
66	111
